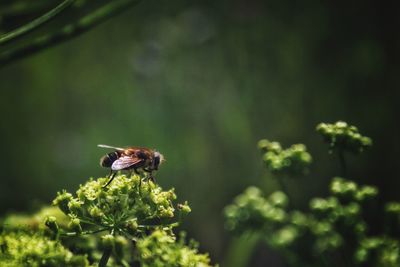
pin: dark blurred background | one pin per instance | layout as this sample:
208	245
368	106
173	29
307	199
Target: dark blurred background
202	82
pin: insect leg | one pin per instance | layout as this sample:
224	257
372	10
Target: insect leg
110	180
140	178
151	177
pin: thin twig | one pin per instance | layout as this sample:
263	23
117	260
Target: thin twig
35	23
85	233
105	257
67	32
342	162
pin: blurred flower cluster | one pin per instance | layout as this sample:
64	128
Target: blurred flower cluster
335	230
343	136
163	250
334	225
294	160
252	210
22	248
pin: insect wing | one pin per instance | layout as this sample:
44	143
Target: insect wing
125	163
112	147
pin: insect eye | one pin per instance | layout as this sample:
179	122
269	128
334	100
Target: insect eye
156	160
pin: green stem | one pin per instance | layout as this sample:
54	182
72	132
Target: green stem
342	162
67	32
241	249
105	257
35	23
283	188
84	233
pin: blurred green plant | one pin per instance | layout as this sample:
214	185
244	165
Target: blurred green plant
128	222
343	138
162	250
335	231
20	248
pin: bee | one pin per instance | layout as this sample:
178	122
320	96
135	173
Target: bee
132	159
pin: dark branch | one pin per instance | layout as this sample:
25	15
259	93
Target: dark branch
67	32
35	23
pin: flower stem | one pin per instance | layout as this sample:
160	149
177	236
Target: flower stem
105	257
283	188
342	162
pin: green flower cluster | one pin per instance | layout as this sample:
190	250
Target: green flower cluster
20	248
382	251
128	222
252	210
161	249
334	226
127	210
127	206
294	160
343	136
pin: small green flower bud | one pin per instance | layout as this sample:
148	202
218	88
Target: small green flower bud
371	243
166	213
361	255
51	222
353	209
279	199
322	205
366	192
184	208
275	214
329	242
263	145
343	188
96	212
75	225
266	146
299	219
360	228
321	228
75	206
132	226
108	241
392	207
62	201
284	237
